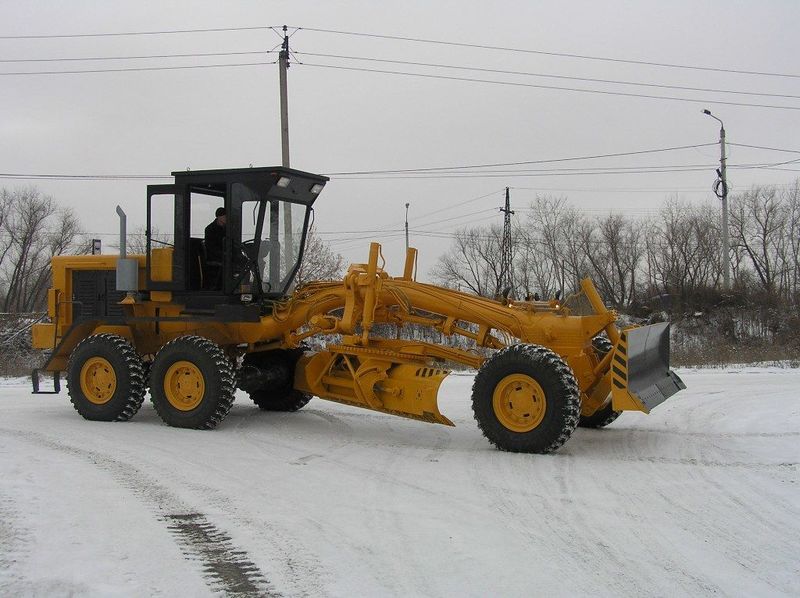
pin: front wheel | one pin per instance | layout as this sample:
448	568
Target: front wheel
526	400
192	383
277	368
606	414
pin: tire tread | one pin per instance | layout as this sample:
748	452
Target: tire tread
565	380
135	369
227	375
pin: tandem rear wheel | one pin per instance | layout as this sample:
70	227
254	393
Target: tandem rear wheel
105	378
192	383
526	400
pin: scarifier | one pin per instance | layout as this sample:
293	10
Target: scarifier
194	331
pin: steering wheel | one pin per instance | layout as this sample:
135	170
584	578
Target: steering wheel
243	262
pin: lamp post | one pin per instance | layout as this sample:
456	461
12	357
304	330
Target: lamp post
407	226
721	191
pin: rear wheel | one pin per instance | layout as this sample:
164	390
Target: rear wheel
277	367
606	414
105	378
525	399
192	383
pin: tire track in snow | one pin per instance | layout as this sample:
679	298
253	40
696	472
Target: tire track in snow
224	568
722	515
582	528
380	515
535	518
339	433
13	543
304	572
631	511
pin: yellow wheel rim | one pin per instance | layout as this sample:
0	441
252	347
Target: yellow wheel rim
184	385
98	380
519	403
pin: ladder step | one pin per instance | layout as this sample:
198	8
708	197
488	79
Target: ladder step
35	380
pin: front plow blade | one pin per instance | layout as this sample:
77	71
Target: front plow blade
640	374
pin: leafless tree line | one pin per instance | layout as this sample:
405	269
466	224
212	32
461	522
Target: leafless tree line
676	253
32	230
554	246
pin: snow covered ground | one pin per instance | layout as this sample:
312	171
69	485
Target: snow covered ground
700	498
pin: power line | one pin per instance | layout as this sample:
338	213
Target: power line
550	76
531	174
126	33
785	169
452	171
546	53
144	68
766	166
88	177
554	87
143	57
402	38
365	172
446	208
525	162
614	189
524	174
460	203
404	62
649	168
492	209
391	230
761	147
83	177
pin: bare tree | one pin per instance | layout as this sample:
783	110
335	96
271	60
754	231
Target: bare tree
320	262
682	249
33	230
473	261
678	252
136	241
613	247
791	199
541	255
758	218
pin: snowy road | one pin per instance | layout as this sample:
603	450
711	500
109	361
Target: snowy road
700	498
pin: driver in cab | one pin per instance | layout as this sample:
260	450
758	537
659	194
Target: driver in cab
214	242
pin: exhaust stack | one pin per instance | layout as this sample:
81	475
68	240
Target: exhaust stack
127	269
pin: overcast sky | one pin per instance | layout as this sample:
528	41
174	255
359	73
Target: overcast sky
154	122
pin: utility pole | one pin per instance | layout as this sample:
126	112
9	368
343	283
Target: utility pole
506	272
721	191
283	66
407	226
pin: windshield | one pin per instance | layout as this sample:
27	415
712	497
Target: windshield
275	252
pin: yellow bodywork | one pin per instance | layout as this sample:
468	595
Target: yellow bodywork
396	376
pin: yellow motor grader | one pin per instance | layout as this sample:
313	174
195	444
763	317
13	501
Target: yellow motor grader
193	329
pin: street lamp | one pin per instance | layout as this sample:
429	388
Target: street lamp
407	226
721	191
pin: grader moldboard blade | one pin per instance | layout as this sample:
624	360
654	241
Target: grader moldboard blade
362	377
640	374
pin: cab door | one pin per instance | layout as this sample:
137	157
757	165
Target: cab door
166	242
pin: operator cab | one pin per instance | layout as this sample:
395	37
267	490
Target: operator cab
267	214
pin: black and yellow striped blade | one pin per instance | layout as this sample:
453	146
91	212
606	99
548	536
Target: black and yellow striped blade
640	368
